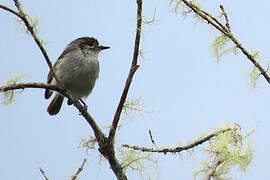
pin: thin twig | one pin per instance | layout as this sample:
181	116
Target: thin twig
224	29
11	11
179	148
79	170
43	173
211	17
151	137
226	18
133	68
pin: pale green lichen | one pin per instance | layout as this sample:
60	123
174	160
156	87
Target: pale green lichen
8	96
151	21
88	143
138	161
254	74
176	4
132	106
219	44
231	149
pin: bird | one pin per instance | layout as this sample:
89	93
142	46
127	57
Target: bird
76	69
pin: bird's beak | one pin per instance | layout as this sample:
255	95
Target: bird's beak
103	47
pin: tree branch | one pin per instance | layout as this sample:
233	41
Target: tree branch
133	68
32	85
106	145
227	32
106	148
43	173
212	169
179	148
98	133
226	18
11	11
151	137
30	28
74	177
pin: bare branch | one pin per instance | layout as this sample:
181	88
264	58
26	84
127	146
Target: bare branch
179	148
79	170
133	68
151	137
43	173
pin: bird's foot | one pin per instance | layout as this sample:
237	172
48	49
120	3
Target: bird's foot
85	107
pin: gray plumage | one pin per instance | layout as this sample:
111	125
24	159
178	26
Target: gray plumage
77	69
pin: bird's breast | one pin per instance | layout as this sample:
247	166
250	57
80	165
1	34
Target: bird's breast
79	75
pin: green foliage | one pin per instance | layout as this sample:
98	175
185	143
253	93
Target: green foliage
176	4
256	55
133	106
230	149
153	20
8	96
88	143
137	161
219	44
254	74
186	10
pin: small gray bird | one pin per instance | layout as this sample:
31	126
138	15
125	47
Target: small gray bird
77	69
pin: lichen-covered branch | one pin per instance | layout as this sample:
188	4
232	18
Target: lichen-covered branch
226	30
179	148
98	133
212	169
30	28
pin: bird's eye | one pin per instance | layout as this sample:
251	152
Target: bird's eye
92	47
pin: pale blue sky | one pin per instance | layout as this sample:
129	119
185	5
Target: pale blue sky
179	80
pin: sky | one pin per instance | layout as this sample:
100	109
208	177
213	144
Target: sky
179	81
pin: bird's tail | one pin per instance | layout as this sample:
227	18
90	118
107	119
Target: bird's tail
55	105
